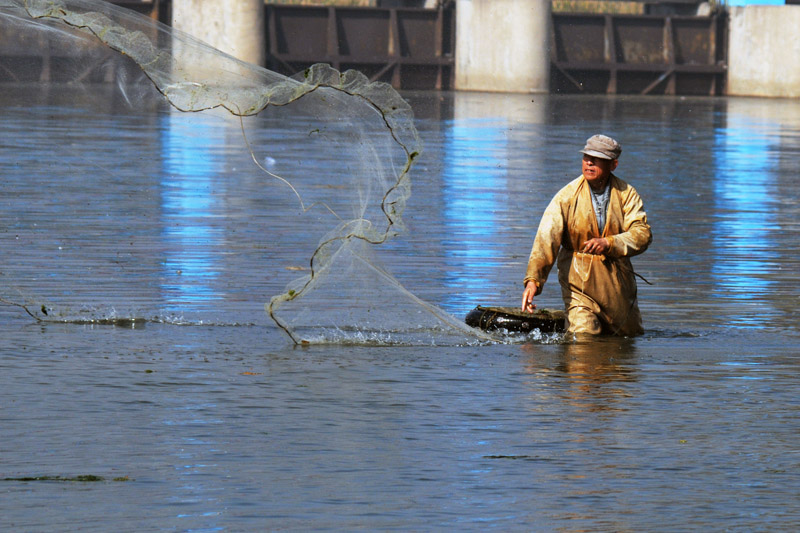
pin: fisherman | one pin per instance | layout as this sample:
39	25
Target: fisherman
592	228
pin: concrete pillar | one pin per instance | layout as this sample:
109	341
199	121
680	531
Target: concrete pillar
503	45
764	51
234	26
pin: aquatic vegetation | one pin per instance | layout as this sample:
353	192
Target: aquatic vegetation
83	478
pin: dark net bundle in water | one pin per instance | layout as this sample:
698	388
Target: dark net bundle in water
323	160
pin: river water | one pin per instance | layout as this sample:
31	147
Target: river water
214	421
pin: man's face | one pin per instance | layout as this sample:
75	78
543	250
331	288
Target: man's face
597	170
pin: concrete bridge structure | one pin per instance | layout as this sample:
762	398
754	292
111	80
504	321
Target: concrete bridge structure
508	46
515	46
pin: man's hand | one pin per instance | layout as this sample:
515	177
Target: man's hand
597	246
527	297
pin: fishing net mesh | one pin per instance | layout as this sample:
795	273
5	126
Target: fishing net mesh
332	150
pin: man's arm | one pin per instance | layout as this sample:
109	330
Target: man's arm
543	253
637	235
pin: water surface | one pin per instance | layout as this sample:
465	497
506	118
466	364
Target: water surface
208	418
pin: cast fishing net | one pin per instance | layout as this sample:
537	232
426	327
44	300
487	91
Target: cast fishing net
160	230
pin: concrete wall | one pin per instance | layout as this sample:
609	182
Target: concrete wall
233	26
503	45
764	51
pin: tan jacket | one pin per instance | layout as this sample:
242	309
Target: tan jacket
606	286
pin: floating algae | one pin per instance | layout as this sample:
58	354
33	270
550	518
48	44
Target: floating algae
85	478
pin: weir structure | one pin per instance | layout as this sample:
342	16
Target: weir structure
676	47
487	45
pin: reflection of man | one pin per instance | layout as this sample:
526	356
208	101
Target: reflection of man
591	371
592	228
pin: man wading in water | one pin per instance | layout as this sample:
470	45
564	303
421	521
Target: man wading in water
592	228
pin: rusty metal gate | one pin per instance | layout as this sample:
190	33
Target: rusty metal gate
644	54
409	48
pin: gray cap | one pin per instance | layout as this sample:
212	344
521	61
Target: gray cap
603	147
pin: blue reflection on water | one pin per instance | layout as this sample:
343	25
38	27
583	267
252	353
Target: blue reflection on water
744	190
188	204
474	175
